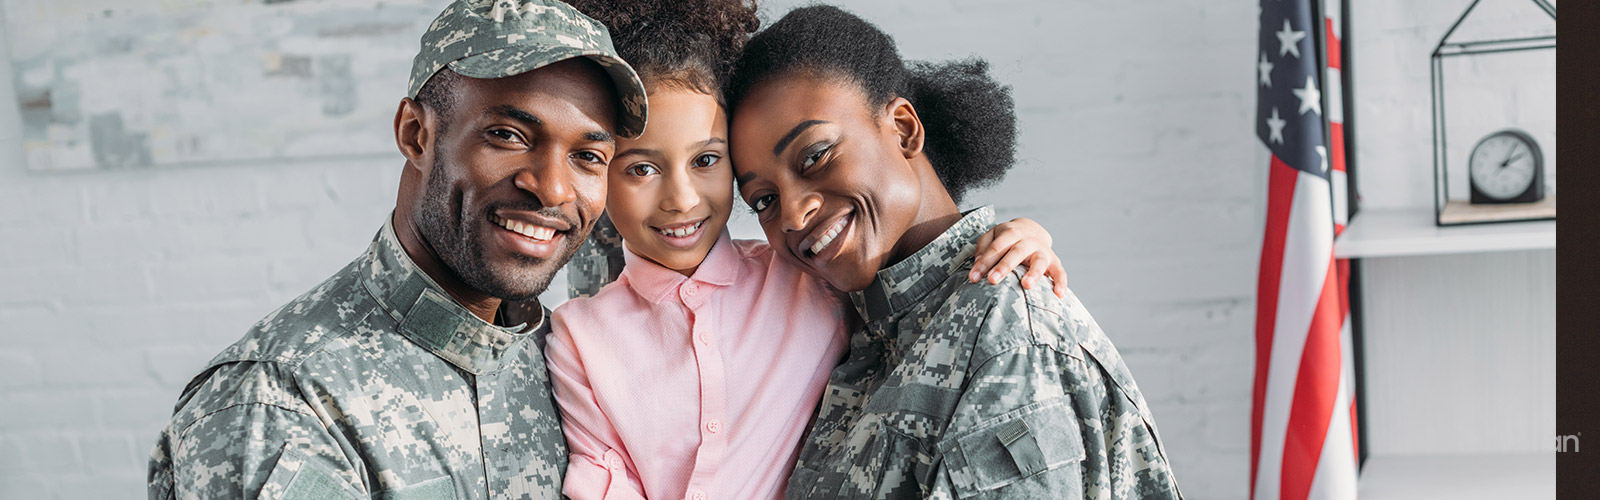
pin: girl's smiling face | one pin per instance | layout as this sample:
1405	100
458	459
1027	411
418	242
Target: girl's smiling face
671	190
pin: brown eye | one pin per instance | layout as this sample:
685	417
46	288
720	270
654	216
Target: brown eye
642	169
706	160
811	159
762	202
505	135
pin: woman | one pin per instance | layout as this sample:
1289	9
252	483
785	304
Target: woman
854	165
695	374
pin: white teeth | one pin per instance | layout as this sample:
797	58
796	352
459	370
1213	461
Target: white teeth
536	232
828	237
682	231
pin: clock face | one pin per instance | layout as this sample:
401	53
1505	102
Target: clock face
1502	166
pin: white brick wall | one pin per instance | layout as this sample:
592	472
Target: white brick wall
1137	152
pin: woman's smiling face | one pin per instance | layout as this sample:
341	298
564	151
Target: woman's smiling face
830	179
670	190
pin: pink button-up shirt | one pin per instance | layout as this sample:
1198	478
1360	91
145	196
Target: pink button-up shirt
697	387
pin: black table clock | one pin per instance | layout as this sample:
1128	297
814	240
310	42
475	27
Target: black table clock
1506	167
1506	96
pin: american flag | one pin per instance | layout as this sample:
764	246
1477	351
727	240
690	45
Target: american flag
1302	423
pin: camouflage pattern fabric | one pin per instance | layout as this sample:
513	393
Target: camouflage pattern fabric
374	384
961	390
598	262
501	38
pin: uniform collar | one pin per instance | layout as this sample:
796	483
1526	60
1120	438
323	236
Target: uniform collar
429	317
908	281
655	282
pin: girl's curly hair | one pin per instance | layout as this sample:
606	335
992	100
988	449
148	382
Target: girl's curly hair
689	44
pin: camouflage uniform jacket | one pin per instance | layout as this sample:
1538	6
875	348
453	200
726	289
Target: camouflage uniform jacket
374	384
596	263
960	390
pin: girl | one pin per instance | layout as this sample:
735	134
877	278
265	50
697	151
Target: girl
695	374
854	164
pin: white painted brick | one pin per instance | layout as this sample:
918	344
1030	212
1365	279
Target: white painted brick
128	242
22	486
48	452
174	366
100	284
142	412
1228	426
52	201
18	369
209	279
37	245
108	201
103	486
110	454
231	199
91	364
241	239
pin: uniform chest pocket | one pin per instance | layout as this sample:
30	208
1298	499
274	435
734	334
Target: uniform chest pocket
1032	452
439	488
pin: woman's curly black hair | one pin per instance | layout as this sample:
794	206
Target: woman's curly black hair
968	117
688	44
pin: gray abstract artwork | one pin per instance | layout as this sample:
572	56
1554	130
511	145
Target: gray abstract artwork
112	84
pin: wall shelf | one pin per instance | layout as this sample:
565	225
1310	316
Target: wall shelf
1458	477
1398	232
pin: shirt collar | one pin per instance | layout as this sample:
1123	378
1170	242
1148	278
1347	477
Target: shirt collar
655	282
908	281
429	317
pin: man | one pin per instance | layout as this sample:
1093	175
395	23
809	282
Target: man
417	370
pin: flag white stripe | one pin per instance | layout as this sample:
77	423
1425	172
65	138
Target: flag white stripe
1341	202
1308	246
1335	478
1333	89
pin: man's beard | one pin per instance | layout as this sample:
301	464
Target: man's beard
459	243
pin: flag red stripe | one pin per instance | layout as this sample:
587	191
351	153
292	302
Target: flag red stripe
1333	44
1281	180
1316	388
1336	153
1355	437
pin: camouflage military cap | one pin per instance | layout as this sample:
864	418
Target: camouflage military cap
501	38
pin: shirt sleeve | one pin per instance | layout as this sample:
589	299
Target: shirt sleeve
1042	421
250	449
597	262
598	466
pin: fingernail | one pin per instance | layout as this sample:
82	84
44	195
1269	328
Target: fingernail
973	277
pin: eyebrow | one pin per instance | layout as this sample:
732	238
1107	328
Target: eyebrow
512	112
741	180
530	120
657	152
793	133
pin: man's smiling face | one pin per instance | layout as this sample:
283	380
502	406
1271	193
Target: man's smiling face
518	176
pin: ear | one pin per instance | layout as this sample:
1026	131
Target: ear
907	126
413	132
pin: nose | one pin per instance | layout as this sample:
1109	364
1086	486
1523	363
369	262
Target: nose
678	193
797	211
548	179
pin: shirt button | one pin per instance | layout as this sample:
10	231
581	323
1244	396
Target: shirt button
698	495
614	463
714	426
691	289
